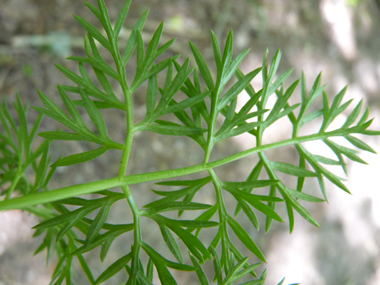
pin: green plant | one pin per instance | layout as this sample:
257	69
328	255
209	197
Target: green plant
64	226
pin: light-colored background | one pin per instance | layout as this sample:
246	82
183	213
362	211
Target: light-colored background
339	37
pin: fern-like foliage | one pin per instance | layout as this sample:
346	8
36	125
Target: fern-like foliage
209	98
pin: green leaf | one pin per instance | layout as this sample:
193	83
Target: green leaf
234	64
173	130
152	94
245	238
42	167
248	211
73	221
149	269
54	109
339	149
94	32
86	269
216	49
234	271
96	62
114	268
132	41
152	46
160	261
202	66
174	206
204	181
98	222
326	160
217	265
303	196
64	218
72	110
88	85
194	245
254	200
144	280
58	135
81	157
302	211
121	18
171	243
164	47
105	19
199	270
292	169
359	144
237	88
105	84
186	103
94	114
353	116
252	184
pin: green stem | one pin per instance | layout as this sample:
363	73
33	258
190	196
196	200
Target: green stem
137	234
222	217
93	187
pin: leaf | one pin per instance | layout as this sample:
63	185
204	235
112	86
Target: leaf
303	196
217	265
173	206
339	149
114	268
73	221
96	62
359	144
152	47
86	269
231	276
173	130
121	18
62	117
199	270
89	86
171	243
237	88
202	66
217	53
245	238
234	64
292	203
250	214
144	280
42	166
186	103
353	116
64	218
80	157
98	222
152	94
292	169
160	261
252	184
132	41
58	135
254	200
106	21
194	245
94	32
326	160
204	181
94	114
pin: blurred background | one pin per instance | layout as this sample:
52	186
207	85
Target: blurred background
341	38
